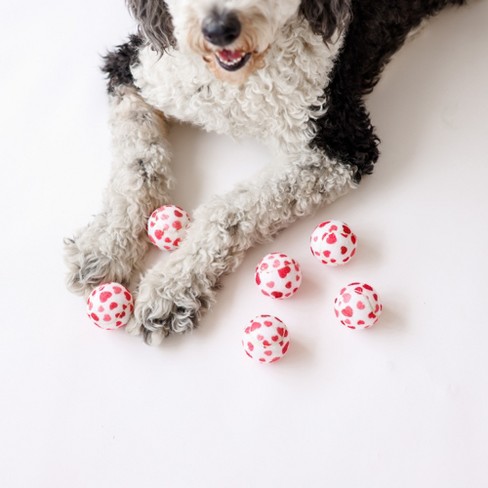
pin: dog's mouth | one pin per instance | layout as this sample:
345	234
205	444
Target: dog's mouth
232	60
233	65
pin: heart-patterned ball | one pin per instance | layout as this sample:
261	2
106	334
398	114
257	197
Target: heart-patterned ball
167	227
358	306
265	339
278	276
333	243
110	306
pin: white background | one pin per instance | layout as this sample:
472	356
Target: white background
402	405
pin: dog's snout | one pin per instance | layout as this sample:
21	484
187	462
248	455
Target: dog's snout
221	28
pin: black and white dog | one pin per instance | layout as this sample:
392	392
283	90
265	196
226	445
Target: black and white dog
292	73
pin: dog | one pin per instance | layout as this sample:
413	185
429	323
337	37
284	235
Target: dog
291	73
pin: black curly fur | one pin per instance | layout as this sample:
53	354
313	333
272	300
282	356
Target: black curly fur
326	17
377	29
117	63
155	22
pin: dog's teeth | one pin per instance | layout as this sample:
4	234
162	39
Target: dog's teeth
230	63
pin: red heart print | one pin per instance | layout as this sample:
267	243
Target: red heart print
348	312
331	239
283	272
255	325
105	296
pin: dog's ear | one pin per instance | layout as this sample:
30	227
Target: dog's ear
155	22
326	16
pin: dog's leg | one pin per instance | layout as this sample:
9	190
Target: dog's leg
112	246
173	295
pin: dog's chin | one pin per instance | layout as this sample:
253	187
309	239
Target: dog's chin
234	65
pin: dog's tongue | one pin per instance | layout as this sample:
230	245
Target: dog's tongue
229	56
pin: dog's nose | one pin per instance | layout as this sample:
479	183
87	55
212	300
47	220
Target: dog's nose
221	28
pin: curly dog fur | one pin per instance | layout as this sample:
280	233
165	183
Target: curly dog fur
290	73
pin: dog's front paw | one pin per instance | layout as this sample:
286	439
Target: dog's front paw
167	304
95	256
87	269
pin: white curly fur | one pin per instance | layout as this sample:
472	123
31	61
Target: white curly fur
274	13
273	105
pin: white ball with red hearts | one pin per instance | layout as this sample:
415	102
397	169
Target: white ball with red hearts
278	276
110	306
358	306
333	243
265	339
167	226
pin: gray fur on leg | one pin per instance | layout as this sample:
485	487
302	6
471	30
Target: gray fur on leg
112	247
174	294
100	254
171	300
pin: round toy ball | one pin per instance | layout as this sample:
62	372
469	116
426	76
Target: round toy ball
333	243
110	306
167	227
278	276
265	339
357	306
